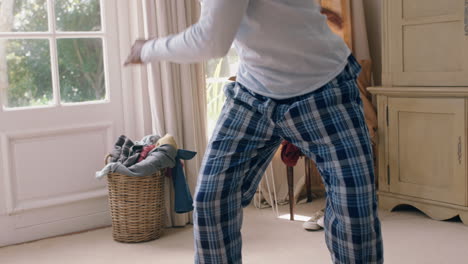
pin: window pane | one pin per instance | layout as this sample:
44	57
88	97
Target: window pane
78	15
25	72
23	15
81	70
217	73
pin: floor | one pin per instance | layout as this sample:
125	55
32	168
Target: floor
409	238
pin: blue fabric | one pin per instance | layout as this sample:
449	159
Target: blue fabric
183	201
328	125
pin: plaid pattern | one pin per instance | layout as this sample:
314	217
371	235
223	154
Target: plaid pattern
329	127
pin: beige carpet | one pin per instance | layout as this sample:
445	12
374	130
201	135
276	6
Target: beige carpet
409	237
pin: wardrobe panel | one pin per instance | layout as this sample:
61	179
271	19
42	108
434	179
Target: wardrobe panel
428	8
433	47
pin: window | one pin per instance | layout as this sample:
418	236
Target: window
217	73
51	52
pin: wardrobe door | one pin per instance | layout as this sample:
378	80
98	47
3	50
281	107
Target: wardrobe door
426	153
428	42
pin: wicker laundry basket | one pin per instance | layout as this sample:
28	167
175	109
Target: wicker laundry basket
137	206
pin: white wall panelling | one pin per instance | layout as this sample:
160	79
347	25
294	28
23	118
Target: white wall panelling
27	165
49	155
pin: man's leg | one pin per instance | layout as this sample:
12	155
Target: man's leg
241	147
329	126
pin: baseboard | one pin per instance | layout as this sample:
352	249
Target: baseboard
54	229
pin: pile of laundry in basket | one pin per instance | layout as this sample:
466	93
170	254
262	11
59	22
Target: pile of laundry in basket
148	156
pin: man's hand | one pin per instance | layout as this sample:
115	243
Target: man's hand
135	52
333	17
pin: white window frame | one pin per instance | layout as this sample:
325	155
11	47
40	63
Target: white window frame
52	36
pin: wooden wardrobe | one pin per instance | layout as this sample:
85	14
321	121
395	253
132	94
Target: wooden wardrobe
423	107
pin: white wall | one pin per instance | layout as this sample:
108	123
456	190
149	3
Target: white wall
373	22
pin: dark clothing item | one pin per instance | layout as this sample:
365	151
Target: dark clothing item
145	152
126	147
290	154
115	153
133	155
183	199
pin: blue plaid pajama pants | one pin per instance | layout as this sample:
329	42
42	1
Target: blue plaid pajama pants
328	125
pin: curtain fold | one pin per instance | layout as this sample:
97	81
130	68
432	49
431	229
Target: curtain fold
176	95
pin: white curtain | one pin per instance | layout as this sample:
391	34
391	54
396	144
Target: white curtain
176	94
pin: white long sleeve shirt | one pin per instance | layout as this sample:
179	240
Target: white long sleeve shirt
285	47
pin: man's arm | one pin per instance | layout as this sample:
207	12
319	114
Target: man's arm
333	17
210	37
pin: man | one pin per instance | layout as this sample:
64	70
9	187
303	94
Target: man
296	81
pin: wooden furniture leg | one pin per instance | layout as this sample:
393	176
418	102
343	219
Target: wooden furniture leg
308	178
308	175
290	172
